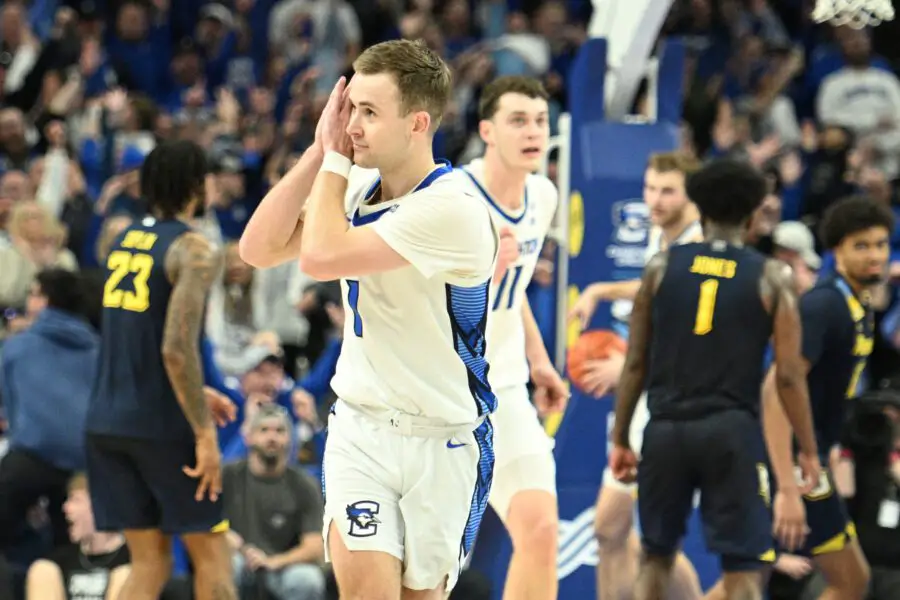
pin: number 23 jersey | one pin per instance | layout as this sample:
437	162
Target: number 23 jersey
133	396
531	224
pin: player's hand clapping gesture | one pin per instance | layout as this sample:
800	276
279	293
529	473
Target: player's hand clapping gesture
331	130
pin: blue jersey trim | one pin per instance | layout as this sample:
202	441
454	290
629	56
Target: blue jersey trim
468	309
358	219
497	207
484	438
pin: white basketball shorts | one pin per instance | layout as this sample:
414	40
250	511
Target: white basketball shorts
523	450
418	495
636	438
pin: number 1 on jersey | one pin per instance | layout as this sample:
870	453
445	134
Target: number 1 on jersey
353	301
706	307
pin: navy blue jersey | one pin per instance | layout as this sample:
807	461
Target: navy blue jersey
838	335
132	395
710	332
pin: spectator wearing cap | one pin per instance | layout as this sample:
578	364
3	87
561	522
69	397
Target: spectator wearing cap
46	412
794	244
264	384
217	40
232	205
275	512
121	194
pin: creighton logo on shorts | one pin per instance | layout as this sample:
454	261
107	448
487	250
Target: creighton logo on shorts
363	519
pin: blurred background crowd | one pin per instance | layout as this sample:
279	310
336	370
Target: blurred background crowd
87	88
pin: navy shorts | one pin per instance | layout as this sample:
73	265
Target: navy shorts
139	484
721	455
830	528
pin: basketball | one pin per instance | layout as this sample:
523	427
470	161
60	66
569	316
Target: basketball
592	345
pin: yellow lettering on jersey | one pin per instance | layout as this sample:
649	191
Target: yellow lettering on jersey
862	348
121	263
139	240
863	345
857	311
714	267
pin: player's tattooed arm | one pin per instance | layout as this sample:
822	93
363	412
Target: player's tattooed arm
192	264
786	407
634	374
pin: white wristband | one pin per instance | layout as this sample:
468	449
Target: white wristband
337	163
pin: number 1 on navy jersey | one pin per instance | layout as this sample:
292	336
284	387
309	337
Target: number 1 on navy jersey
504	283
353	301
706	307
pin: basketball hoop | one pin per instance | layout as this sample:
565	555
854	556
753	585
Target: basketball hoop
857	14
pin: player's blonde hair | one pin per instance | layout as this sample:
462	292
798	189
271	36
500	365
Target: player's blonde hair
422	77
666	162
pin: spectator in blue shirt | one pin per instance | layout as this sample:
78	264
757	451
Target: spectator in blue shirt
46	409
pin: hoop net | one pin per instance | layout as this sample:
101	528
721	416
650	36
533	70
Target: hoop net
854	13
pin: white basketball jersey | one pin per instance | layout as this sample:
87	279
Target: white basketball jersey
506	332
621	309
414	337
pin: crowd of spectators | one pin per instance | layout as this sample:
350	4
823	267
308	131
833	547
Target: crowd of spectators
88	87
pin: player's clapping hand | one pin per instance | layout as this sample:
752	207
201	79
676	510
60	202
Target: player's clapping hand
507	254
623	464
208	468
550	393
789	524
332	126
222	408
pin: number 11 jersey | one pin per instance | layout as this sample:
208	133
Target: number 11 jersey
531	224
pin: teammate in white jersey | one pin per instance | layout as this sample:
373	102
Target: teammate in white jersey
515	128
409	457
675	220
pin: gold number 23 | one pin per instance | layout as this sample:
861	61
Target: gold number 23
122	263
706	307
